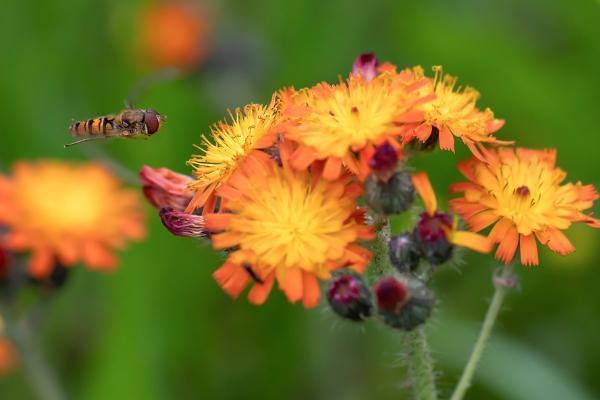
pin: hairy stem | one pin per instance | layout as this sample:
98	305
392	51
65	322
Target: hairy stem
420	365
502	284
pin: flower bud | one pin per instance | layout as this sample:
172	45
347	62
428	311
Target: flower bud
182	224
431	233
392	197
165	188
404	252
366	65
384	162
403	303
349	297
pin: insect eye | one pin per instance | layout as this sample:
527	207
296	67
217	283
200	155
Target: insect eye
152	121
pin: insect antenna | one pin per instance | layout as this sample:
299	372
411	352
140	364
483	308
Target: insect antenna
83	140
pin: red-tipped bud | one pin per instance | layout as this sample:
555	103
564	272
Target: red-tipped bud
165	188
431	233
366	65
349	297
384	162
182	224
403	303
391	294
4	263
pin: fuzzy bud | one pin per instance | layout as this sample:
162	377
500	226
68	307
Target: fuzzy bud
165	188
403	303
384	162
404	252
182	224
431	233
366	65
349	297
392	197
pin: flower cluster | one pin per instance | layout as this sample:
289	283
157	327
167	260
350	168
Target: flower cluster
281	188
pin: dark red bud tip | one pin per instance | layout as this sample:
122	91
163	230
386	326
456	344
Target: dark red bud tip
391	294
4	263
384	161
366	65
349	297
182	224
431	233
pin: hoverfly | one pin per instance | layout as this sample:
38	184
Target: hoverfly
131	123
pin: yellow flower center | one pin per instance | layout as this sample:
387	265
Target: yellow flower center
232	142
286	221
346	117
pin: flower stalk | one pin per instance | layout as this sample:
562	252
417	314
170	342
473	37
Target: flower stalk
502	285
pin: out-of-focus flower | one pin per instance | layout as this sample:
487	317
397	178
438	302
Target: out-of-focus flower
182	224
454	113
342	124
286	225
165	188
436	232
366	65
175	34
235	144
8	355
520	193
69	213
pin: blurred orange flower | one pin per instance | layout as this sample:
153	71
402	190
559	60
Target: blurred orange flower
68	213
175	34
289	226
520	193
8	355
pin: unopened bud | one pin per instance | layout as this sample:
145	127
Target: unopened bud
349	297
182	224
165	188
404	252
403	303
366	65
384	162
431	233
392	197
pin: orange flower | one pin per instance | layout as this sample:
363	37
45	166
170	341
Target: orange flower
234	144
520	193
175	34
454	113
334	123
434	225
286	225
71	213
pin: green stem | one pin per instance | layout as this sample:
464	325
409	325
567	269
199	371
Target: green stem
501	288
41	376
420	365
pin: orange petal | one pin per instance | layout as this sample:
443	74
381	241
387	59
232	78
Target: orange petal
423	132
508	246
225	240
217	222
472	241
68	252
291	284
260	291
481	220
529	251
40	263
232	278
556	241
312	291
446	139
499	230
410	116
333	168
302	158
200	198
97	256
423	187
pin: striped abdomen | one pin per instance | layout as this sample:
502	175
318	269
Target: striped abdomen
101	126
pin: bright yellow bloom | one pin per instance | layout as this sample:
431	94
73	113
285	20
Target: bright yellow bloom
454	113
67	213
292	226
249	129
520	192
335	122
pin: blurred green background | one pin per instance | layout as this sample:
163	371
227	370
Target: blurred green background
160	328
